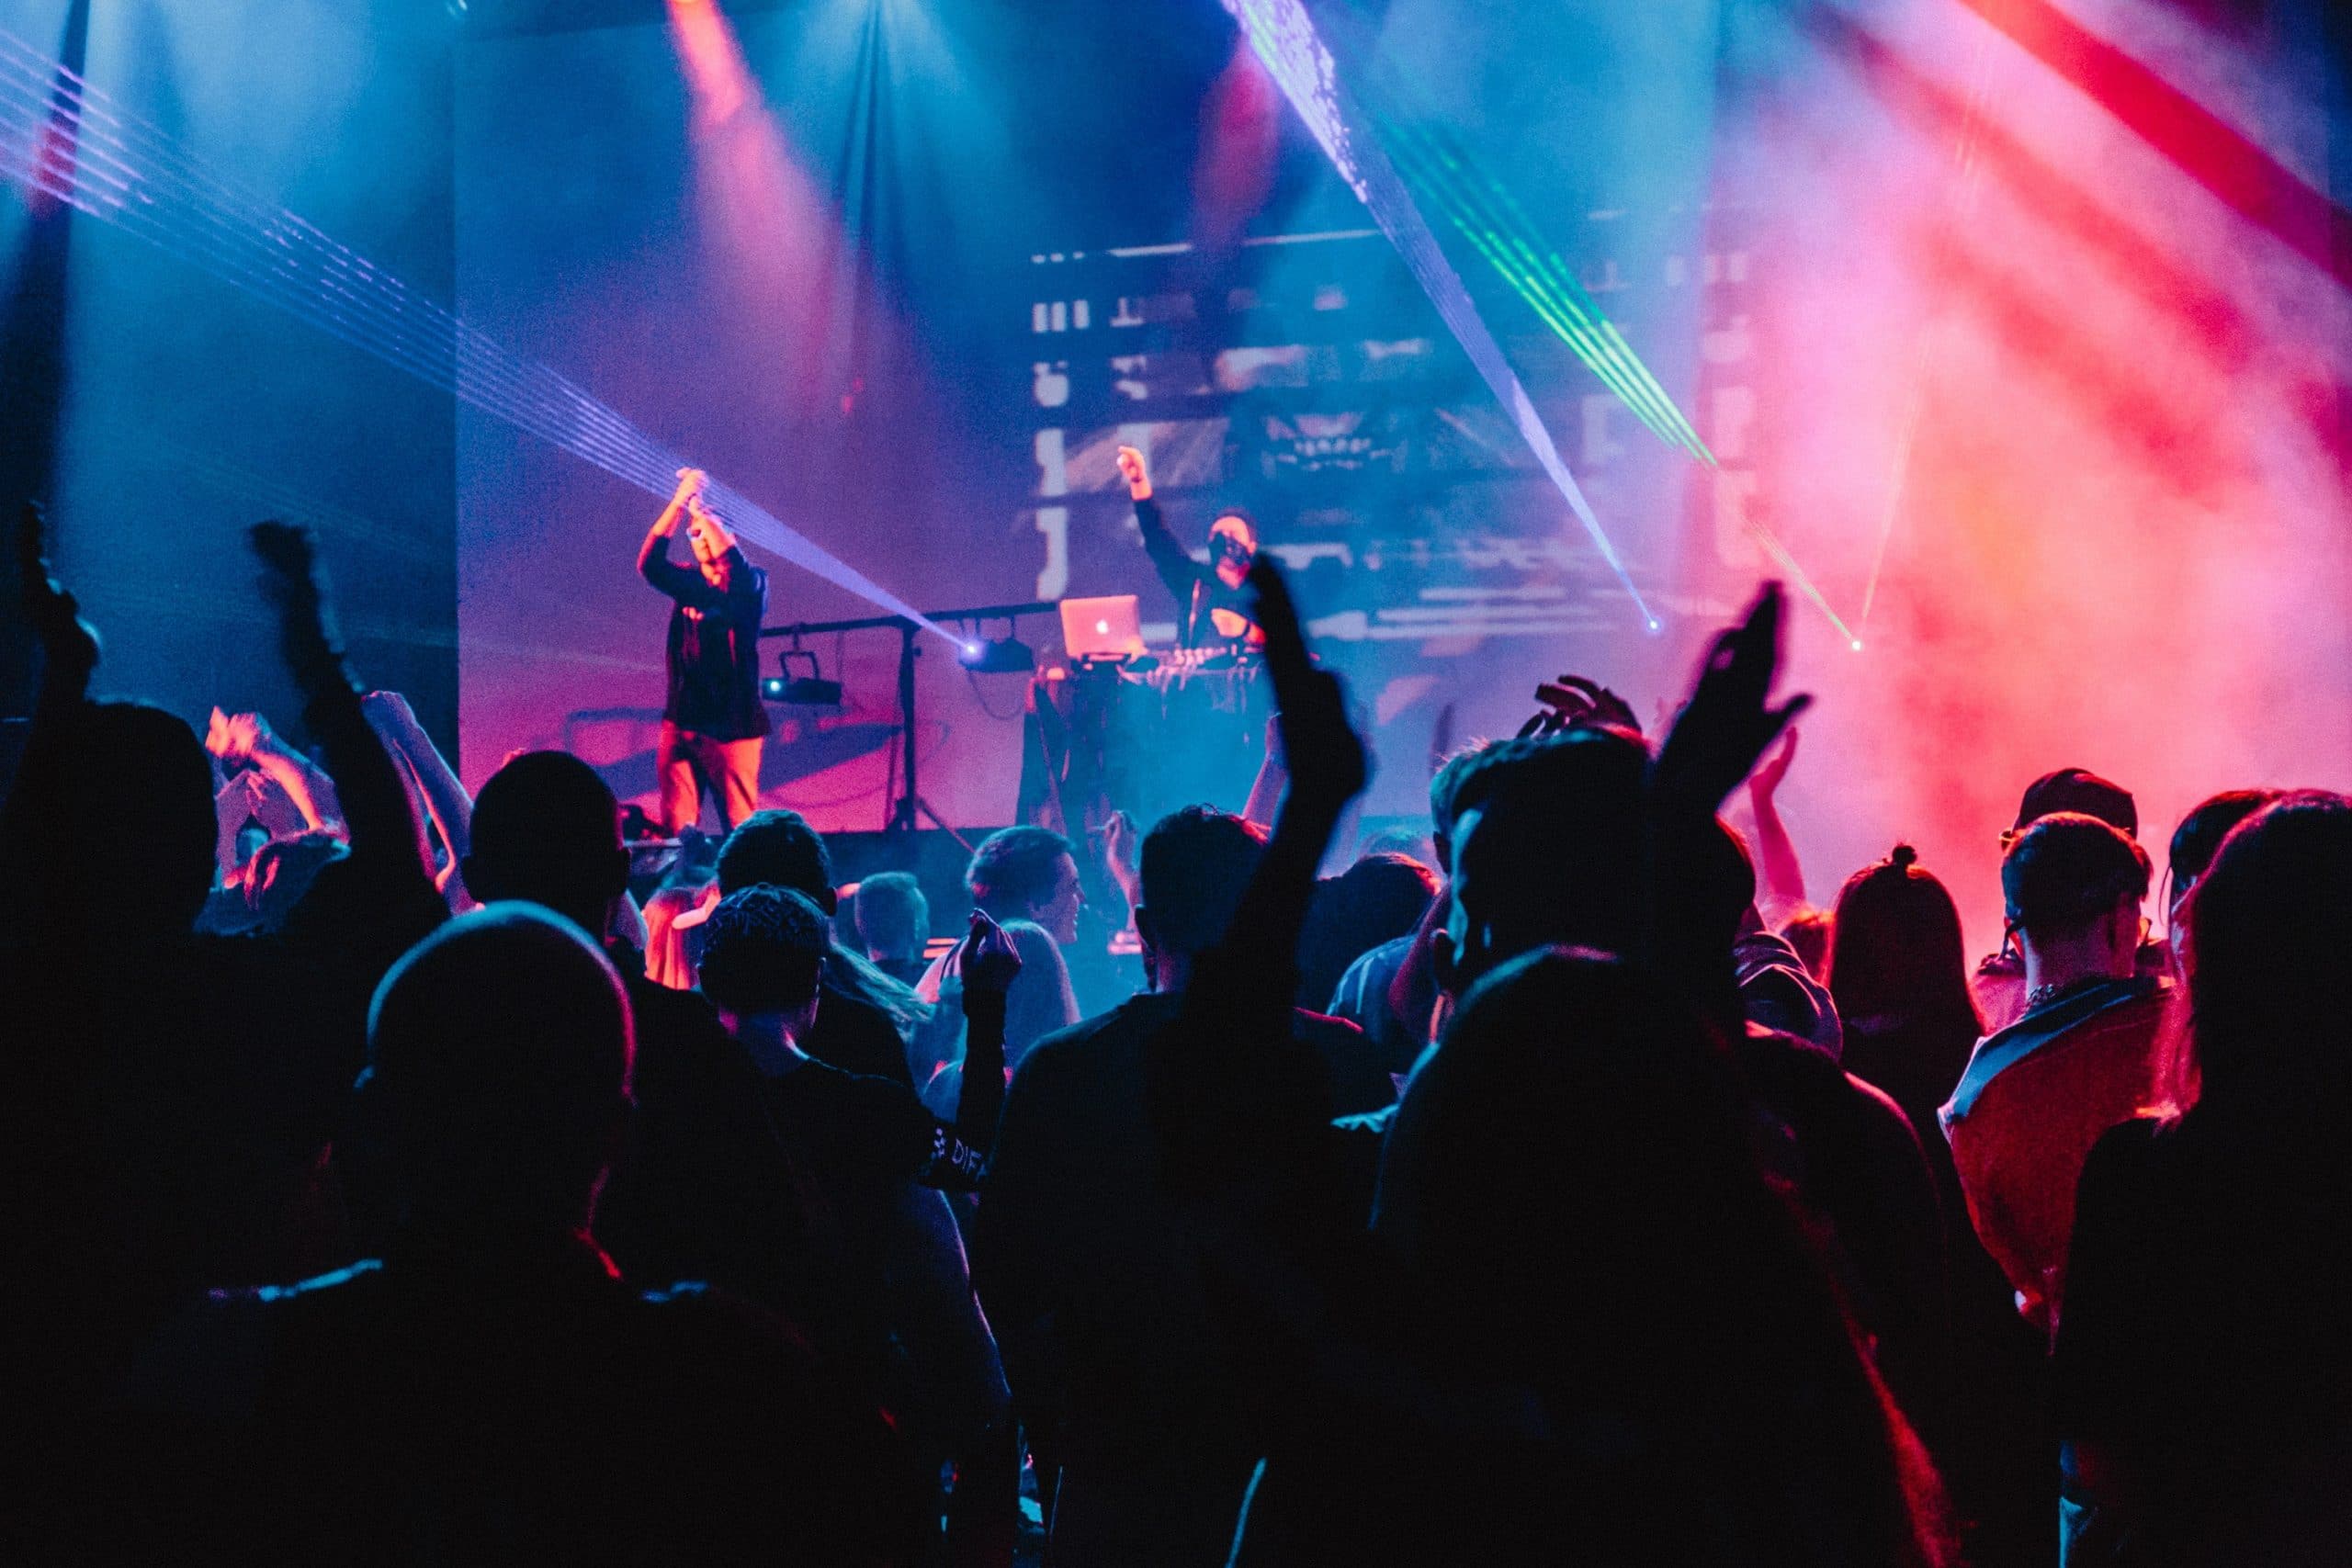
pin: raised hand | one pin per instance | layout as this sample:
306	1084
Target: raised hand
235	736
1121	841
389	709
1729	720
1132	470
1326	757
68	642
1766	781
987	962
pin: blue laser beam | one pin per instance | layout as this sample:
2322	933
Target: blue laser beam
67	140
1283	38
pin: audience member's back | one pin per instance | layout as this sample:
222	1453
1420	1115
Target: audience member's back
864	1025
2204	1359
489	1390
1609	1340
1376	900
1087	1277
700	1193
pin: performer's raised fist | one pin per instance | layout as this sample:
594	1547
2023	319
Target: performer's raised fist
690	482
1132	470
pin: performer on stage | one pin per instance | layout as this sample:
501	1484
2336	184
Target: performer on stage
1212	604
713	722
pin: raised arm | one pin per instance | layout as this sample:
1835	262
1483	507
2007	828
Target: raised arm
1728	723
1781	874
1246	1096
247	737
444	799
384	860
1177	568
683	583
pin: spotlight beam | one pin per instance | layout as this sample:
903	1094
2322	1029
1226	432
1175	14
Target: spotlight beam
129	174
1283	38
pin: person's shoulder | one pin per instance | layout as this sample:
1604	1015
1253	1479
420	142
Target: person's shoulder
1034	943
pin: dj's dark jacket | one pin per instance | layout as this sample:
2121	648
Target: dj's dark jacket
714	650
1196	585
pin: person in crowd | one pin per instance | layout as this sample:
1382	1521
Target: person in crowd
1899	976
2198	839
2036	1095
180	1089
1777	987
1391	991
1380	899
1898	970
1213	601
1083	1262
1476	1384
489	1387
894	924
868	1017
698	1191
867	1157
2203	1366
1999	985
1026	879
712	722
1807	931
436	799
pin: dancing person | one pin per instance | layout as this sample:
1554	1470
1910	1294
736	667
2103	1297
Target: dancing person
178	1089
2037	1094
1213	601
712	721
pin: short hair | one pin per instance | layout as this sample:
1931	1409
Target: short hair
1195	864
778	849
2067	869
2080	791
1014	868
2198	838
545	827
499	1049
1559	851
892	914
1444	784
763	950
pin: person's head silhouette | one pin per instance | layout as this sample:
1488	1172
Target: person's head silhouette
497	1086
546	828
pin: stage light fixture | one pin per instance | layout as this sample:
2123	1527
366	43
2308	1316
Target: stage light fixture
998	655
810	691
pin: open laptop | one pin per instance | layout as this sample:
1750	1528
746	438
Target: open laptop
1101	628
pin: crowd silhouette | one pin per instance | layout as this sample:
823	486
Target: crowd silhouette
391	1184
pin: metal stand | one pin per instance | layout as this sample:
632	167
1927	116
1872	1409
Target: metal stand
903	816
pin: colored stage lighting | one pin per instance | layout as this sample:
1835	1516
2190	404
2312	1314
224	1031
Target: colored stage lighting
122	171
1285	39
